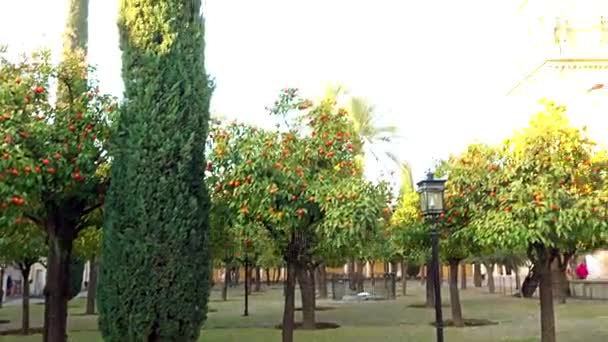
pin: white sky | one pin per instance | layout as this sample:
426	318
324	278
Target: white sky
438	69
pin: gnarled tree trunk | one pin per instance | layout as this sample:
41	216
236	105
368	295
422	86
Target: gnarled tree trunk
454	295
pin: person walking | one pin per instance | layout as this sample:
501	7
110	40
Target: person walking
581	271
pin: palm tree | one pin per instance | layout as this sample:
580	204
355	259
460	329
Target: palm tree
363	116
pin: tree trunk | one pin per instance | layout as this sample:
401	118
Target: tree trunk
430	291
247	288
547	315
477	280
226	282
490	275
268	277
92	287
1	286
289	307
561	288
517	278
307	290
372	274
360	278
58	281
404	278
463	280
25	302
394	266
454	295
249	280
322	281
258	279
423	274
351	275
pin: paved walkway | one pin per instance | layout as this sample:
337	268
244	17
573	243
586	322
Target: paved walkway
17	300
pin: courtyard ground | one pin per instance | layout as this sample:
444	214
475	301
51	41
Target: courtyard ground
387	321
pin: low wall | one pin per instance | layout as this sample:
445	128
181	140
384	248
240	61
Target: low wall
589	289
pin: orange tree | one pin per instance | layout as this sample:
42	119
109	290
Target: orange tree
51	151
407	233
23	245
300	186
470	180
547	199
87	247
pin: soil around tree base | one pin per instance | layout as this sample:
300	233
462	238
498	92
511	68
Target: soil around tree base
318	325
468	322
319	308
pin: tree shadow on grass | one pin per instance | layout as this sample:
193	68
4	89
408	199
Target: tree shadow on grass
468	322
319	308
318	325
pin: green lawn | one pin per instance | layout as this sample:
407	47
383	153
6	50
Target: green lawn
368	321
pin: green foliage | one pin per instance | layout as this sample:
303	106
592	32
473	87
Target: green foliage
469	186
88	244
155	264
24	244
546	190
300	179
409	236
51	150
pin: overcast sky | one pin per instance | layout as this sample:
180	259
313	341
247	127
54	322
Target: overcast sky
438	69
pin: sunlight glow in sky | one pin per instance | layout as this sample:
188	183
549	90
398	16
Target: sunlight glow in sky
439	70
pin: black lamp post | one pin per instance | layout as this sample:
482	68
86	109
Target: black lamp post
246	313
431	204
247	246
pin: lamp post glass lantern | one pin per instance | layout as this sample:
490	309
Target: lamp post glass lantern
431	204
431	195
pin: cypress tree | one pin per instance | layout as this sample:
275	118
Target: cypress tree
155	267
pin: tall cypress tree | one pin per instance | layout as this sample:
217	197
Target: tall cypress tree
155	267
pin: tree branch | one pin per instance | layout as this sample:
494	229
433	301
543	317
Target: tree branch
91	209
34	219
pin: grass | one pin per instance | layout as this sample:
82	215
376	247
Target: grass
387	321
